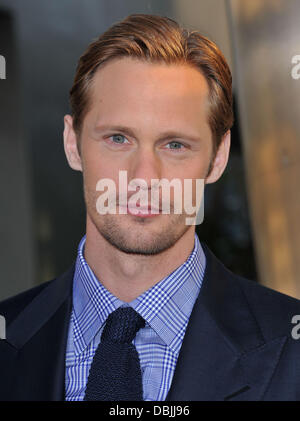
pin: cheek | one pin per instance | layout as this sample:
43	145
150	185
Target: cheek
96	167
195	168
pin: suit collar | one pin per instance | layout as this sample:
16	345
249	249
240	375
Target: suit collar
224	354
40	310
34	353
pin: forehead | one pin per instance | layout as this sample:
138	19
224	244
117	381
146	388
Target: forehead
127	73
129	88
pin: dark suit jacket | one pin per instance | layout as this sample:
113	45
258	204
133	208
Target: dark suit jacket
238	343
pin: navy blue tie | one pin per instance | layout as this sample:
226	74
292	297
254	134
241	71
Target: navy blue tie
115	373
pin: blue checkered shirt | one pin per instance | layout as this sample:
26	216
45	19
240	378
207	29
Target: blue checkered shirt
166	308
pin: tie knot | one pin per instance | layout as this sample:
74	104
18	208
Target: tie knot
122	325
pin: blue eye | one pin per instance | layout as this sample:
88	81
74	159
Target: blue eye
176	143
118	138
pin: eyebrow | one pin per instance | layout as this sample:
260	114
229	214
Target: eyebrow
163	136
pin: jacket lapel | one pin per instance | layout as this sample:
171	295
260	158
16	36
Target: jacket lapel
223	355
36	344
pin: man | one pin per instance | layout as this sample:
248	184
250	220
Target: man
154	101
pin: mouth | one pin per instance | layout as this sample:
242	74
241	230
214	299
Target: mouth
145	212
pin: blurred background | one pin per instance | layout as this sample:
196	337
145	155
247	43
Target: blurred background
251	214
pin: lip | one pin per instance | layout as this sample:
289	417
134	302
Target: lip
144	212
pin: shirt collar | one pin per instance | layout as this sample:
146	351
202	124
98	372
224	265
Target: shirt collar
166	306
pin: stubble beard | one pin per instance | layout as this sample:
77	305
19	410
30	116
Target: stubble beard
136	235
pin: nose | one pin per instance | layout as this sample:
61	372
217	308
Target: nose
145	165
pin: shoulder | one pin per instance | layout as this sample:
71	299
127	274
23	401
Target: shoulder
242	298
47	294
273	310
12	306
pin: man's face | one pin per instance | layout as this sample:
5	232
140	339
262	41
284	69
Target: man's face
151	121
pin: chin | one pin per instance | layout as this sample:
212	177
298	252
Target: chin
140	242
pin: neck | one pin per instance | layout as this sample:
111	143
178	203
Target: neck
127	276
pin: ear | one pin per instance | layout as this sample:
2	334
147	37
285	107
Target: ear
70	144
220	160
